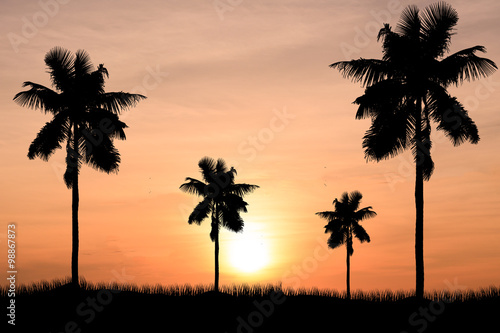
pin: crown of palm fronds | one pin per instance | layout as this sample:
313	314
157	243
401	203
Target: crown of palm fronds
222	197
84	115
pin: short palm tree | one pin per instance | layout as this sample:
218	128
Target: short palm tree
407	89
84	117
222	201
343	225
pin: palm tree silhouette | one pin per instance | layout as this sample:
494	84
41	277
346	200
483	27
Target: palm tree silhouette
84	116
343	224
222	201
407	89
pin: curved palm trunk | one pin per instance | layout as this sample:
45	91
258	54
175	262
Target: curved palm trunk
75	203
419	207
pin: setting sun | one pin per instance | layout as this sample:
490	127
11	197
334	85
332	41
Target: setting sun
207	159
248	253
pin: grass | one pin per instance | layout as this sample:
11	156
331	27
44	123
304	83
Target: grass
257	290
50	306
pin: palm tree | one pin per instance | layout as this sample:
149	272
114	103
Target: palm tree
407	89
84	117
222	201
343	224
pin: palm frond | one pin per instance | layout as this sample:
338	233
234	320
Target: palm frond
354	200
230	217
438	21
379	97
336	225
102	70
360	233
61	67
344	200
207	167
49	138
222	180
465	65
409	24
82	64
233	202
242	189
366	71
384	32
201	211
106	122
96	80
388	134
221	166
395	48
116	102
328	215
452	118
336	239
39	97
99	151
194	186
364	213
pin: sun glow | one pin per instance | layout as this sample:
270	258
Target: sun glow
248	253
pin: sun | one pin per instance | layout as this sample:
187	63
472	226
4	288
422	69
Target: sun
248	253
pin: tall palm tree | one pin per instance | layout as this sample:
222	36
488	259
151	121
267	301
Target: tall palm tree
222	201
343	224
407	89
85	117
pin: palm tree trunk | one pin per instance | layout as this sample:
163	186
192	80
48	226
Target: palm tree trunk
216	282
419	234
348	275
74	208
216	253
419	207
348	263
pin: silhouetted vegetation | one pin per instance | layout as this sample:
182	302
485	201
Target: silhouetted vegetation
343	224
85	118
407	89
404	92
111	307
222	201
254	290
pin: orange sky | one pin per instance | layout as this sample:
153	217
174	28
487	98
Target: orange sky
250	83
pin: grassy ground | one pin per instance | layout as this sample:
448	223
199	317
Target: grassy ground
56	307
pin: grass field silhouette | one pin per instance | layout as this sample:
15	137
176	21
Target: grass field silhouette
406	97
57	306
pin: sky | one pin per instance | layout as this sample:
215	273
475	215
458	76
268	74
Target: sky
249	82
